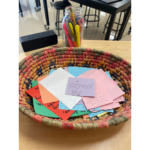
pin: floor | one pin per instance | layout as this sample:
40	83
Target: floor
33	22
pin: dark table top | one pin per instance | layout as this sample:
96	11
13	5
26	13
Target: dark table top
109	8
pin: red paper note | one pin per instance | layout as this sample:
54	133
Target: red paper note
54	106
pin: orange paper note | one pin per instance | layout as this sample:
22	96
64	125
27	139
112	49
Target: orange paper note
46	96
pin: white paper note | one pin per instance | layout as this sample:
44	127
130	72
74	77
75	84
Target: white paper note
56	84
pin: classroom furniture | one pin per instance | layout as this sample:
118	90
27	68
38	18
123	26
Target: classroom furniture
118	24
38	5
129	30
38	136
95	16
112	9
20	10
52	3
60	5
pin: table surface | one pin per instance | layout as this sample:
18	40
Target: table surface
37	136
103	6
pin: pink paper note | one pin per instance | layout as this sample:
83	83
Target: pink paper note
119	99
113	90
101	97
95	74
110	106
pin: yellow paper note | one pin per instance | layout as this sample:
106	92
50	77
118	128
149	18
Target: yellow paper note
102	114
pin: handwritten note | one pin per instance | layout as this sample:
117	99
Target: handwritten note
56	84
113	90
110	106
47	97
101	97
80	87
54	106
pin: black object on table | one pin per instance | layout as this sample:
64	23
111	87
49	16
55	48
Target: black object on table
20	10
112	9
38	40
110	1
60	5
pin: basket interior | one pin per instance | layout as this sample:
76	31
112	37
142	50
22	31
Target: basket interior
41	62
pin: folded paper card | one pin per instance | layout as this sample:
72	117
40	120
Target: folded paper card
54	106
56	84
80	87
46	96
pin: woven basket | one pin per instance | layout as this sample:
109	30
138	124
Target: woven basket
41	62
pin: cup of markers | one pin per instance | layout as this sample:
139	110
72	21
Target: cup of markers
72	27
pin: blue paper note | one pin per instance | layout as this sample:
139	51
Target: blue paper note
76	107
108	74
99	112
52	70
76	71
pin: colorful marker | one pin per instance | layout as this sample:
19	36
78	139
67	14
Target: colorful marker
71	35
67	35
72	30
77	34
74	22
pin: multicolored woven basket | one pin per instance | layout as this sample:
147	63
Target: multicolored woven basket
41	62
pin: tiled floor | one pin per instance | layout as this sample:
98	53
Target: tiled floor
33	22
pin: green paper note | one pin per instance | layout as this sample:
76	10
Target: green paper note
42	110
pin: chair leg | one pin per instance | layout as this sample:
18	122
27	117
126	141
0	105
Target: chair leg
118	25
88	17
58	22
106	24
98	18
85	12
95	15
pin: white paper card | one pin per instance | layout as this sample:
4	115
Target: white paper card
56	84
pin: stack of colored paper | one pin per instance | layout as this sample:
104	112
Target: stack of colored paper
75	91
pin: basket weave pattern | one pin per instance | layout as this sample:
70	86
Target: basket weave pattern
41	62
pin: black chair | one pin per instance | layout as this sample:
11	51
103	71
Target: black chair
118	24
38	5
52	3
129	30
96	16
20	10
60	5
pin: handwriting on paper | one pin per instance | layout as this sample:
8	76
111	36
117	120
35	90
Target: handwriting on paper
56	84
101	97
54	106
80	87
